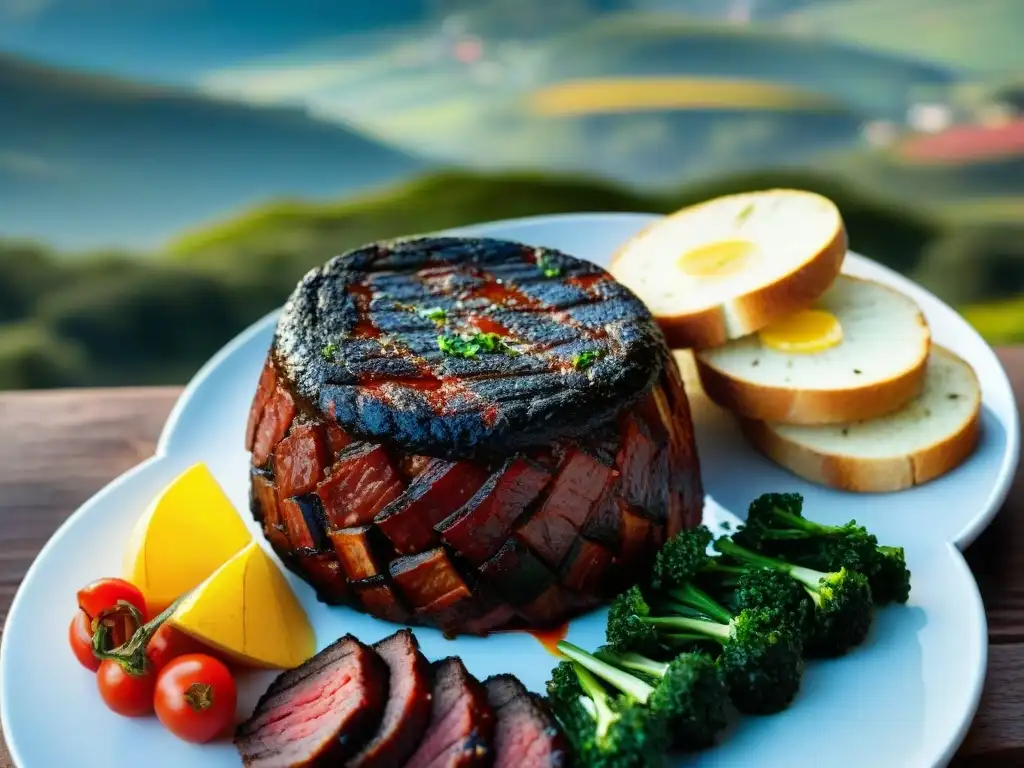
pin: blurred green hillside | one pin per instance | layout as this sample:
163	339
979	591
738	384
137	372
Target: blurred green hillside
118	318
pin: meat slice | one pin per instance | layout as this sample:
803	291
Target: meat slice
359	485
526	734
407	711
428	577
478	530
275	419
319	713
461	721
439	490
299	460
579	485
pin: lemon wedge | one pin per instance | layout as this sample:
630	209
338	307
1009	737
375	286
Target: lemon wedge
184	535
247	611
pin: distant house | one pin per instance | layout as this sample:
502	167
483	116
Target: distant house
967	143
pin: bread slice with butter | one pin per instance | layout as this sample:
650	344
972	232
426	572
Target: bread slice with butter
727	267
930	436
859	352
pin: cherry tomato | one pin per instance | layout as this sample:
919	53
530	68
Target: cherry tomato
80	636
103	596
168	643
195	698
128	695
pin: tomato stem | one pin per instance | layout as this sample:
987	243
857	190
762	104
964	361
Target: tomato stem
132	654
199	696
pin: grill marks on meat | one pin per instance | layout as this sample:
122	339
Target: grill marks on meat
407	711
461	721
526	734
384	377
481	534
319	713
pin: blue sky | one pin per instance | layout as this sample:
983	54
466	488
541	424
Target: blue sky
179	40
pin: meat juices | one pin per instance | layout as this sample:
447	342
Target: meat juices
517	482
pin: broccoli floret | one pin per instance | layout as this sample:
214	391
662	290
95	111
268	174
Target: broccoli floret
604	731
891	580
681	558
690	695
760	659
686	702
777	594
625	629
776	526
843	607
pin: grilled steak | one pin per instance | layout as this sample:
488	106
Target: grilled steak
526	734
408	708
461	721
319	713
469	434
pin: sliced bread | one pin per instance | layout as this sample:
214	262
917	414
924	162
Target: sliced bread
858	353
728	267
932	435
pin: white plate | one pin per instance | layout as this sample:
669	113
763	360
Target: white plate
905	698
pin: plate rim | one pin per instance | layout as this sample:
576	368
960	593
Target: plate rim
164	449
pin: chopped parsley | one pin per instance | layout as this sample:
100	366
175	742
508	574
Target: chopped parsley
468	346
743	214
329	350
547	266
584	360
437	314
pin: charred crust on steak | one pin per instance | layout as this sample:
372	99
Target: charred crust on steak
407	711
319	713
358	339
461	726
526	733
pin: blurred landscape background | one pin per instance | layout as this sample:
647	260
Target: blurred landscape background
170	168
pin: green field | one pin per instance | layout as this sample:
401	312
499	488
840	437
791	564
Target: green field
155	318
982	37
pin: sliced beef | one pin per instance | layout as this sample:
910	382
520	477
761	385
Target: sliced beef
319	713
461	725
443	486
469	434
359	485
407	711
478	530
526	734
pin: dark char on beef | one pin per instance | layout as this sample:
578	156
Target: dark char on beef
407	711
461	725
526	734
319	713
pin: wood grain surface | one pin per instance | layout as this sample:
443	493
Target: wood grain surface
60	447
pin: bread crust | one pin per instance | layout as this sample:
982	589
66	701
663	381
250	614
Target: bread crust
867	475
752	311
793	405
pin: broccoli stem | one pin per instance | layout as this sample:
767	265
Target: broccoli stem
807	576
625	682
697	598
712	629
597	694
638	663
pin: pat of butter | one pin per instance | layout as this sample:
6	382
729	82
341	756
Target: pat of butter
806	332
718	259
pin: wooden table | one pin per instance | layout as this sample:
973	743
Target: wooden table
60	447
